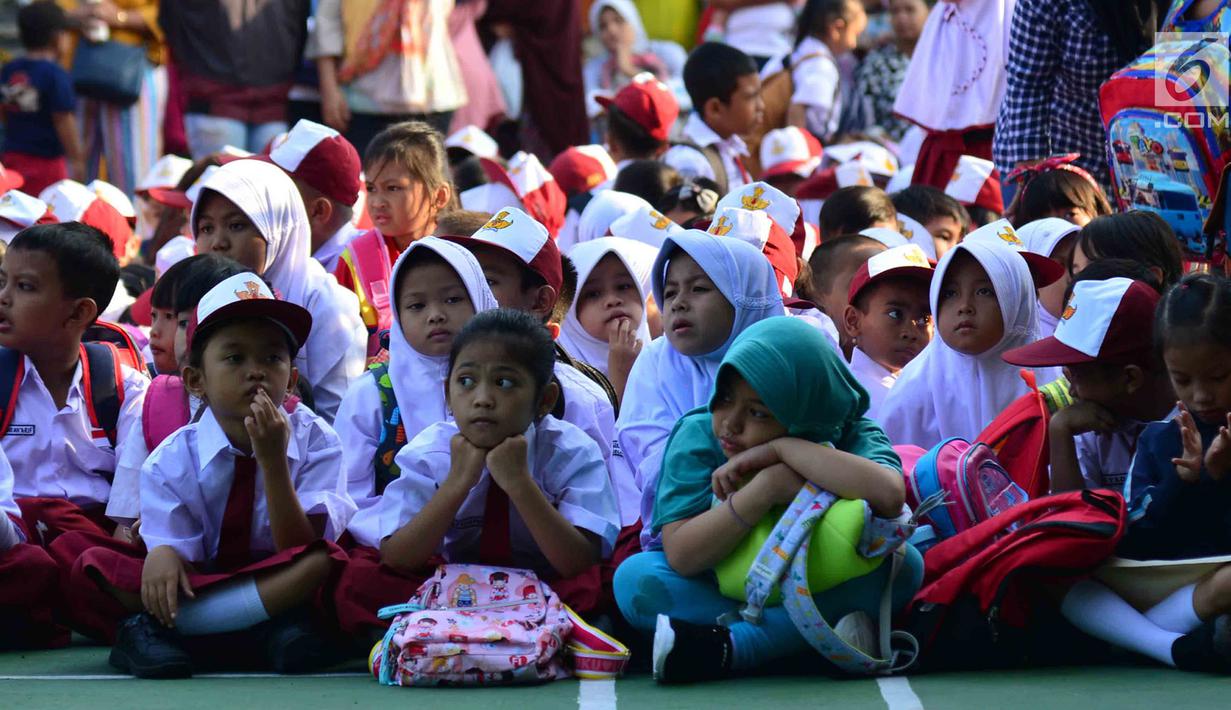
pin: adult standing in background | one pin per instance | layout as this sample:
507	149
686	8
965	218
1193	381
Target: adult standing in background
236	61
880	74
127	139
383	62
1060	52
485	103
762	29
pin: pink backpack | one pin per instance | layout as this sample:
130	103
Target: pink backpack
960	485
484	625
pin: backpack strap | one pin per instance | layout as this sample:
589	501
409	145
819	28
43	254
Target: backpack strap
164	409
368	260
12	372
392	433
714	158
107	332
103	380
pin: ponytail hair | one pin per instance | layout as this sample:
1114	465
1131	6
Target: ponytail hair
1196	310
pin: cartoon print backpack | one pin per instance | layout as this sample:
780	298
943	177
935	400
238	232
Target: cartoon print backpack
484	625
969	481
783	564
1168	141
392	431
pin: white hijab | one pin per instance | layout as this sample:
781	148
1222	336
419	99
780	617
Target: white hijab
418	380
664	383
944	393
627	10
604	208
1041	237
638	259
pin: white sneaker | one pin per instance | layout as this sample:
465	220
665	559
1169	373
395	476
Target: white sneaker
664	642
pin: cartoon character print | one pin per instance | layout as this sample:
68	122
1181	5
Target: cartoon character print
499	582
530	593
464	594
427	627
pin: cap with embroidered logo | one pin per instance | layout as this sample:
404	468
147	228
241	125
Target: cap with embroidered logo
648	102
790	150
246	295
646	225
918	235
19	210
581	168
475	141
1108	321
115	197
1044	270
164	174
907	260
535	187
756	228
322	158
518	234
761	196
975	181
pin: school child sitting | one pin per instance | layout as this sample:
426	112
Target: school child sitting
606	325
1105	344
1178	500
709	290
1138	235
851	210
1056	187
251	212
941	215
408	184
887	318
833	264
726	96
238	509
54	281
983	303
1055	239
438	287
781	396
31	579
503	483
325	168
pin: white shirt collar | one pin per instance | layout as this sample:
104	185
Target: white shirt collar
699	132
860	362
212	441
74	389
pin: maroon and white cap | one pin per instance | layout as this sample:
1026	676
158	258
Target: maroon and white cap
646	225
906	260
975	181
475	141
10	180
322	158
790	150
918	235
1043	269
182	199
581	168
247	296
761	196
648	102
890	238
874	157
19	210
165	173
1107	321
115	197
518	234
744	225
823	183
535	187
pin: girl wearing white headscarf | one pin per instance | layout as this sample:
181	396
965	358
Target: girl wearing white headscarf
417	379
637	259
627	52
665	383
600	212
337	348
943	392
1053	238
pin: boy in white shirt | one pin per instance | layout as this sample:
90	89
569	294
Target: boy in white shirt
888	319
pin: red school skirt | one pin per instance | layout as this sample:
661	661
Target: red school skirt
96	613
29	595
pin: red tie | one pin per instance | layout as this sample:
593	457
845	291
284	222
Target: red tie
235	537
742	170
495	548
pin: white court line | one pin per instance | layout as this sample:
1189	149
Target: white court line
898	694
195	677
596	695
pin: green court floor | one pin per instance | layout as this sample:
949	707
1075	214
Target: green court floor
80	675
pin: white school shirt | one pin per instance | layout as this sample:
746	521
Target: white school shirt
563	461
1105	458
692	163
763	30
124	506
817	82
874	377
57	453
336	350
329	252
587	407
186	481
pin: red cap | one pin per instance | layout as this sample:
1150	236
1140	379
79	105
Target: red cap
790	150
142	310
648	102
581	168
1105	321
519	235
906	260
71	201
10	180
322	158
976	181
537	189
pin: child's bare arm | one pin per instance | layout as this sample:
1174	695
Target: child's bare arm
270	432
1069	422
569	550
411	545
66	129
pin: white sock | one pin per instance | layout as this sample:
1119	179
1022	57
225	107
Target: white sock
1176	613
231	606
1101	613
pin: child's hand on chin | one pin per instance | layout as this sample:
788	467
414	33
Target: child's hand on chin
467	461
507	463
268	428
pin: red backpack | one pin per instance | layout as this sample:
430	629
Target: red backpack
1018	435
982	587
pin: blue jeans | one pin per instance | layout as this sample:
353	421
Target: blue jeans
209	134
646	586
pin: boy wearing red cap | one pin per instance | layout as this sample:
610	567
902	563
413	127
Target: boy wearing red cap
1105	343
639	120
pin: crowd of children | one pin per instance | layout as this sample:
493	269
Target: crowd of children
618	372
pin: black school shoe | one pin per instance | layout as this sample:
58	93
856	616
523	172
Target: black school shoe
1206	649
147	649
687	653
294	645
